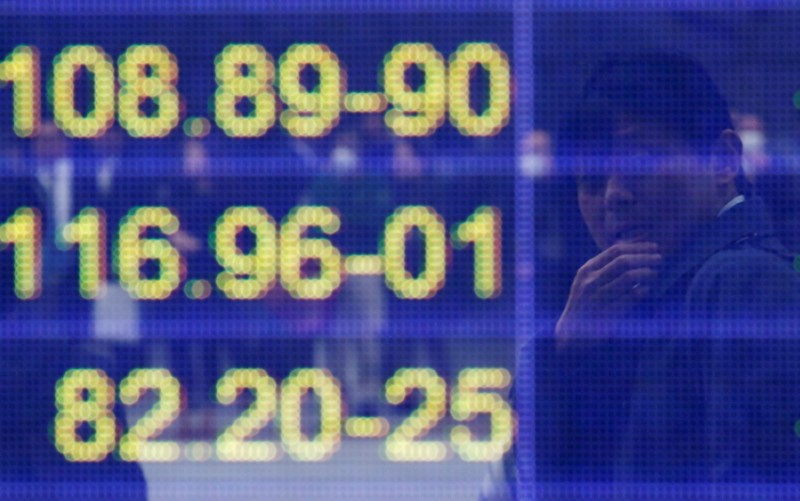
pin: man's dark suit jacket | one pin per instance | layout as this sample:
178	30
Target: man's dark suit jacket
701	384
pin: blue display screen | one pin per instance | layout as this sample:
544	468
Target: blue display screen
370	250
279	241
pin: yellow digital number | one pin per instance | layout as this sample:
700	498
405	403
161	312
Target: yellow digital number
310	113
23	230
133	251
496	114
251	275
468	401
296	250
402	443
431	278
85	396
327	441
233	86
232	444
88	231
415	112
21	67
483	228
148	72
101	113
136	444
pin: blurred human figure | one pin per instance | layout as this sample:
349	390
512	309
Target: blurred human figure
774	179
195	361
537	154
351	349
18	188
536	162
755	160
33	467
406	165
413	184
674	359
56	186
55	172
685	249
115	314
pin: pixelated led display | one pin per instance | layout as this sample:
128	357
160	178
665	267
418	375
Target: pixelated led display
87	396
271	241
146	72
389	250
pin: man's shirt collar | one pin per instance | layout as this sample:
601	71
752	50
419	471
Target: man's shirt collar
733	203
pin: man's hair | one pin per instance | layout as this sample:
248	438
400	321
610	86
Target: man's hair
671	91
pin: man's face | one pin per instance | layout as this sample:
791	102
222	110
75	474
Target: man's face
651	189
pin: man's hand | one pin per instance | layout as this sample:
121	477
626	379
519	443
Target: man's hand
605	288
